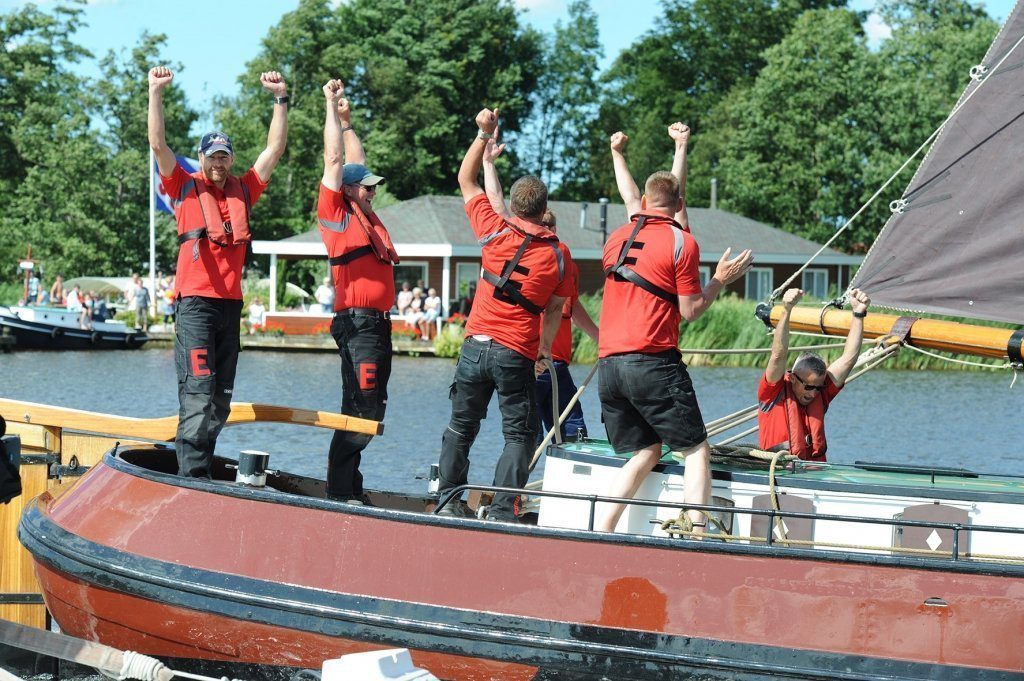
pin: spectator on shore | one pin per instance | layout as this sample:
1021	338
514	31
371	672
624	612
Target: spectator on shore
325	296
139	302
404	299
257	316
168	300
57	292
431	311
414	314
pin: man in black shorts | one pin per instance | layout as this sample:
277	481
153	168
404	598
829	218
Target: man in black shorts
652	280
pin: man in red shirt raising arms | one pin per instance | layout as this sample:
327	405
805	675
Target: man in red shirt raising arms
212	210
362	260
573	311
792	405
652	281
524	274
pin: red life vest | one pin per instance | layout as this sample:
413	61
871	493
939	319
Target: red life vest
199	213
377	245
806	426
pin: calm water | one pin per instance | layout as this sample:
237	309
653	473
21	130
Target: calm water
970	420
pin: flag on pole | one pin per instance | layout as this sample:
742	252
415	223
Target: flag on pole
163	201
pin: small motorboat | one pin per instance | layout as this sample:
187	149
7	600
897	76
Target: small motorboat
53	328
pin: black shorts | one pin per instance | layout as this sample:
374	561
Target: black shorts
649	398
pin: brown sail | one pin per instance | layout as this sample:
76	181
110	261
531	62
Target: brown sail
955	244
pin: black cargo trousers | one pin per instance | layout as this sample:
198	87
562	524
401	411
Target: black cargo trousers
363	337
206	345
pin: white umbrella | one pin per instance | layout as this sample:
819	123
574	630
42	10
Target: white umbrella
288	287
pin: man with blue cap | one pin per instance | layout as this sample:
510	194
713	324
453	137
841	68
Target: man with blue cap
212	209
362	259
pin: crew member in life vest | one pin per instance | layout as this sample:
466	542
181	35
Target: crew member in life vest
574	425
523	274
212	208
792	404
652	281
362	260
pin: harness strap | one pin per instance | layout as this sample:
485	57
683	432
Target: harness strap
346	258
508	288
621	270
512	292
196	234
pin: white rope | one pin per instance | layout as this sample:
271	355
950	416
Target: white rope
1007	365
960	105
138	666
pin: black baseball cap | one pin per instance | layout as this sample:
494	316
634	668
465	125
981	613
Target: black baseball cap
215	141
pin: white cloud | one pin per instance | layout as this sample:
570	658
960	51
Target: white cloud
876	29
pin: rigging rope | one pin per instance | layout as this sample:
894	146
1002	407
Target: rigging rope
960	105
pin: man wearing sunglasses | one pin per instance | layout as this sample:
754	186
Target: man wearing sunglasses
792	404
362	259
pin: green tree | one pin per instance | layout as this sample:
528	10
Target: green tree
565	109
804	128
83	201
696	53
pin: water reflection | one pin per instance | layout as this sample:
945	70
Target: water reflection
960	419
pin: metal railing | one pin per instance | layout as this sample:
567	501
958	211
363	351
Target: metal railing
772	515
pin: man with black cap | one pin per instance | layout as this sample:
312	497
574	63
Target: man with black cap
212	210
362	260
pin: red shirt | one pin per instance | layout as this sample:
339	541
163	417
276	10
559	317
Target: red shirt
544	266
773	418
217	273
632	319
365	281
561	349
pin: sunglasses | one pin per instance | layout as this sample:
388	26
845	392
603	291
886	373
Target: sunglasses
807	386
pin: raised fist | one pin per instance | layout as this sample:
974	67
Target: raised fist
619	141
679	132
333	90
344	111
493	149
859	300
791	297
487	120
273	82
160	77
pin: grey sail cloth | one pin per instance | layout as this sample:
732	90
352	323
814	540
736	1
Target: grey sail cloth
958	247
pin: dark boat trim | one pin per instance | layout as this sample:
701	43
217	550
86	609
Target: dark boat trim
268	494
794	481
563	647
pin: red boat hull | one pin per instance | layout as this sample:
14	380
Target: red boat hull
205	570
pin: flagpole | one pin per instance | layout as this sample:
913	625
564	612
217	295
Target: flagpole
152	235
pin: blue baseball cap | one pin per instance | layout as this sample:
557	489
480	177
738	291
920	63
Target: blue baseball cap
215	141
357	173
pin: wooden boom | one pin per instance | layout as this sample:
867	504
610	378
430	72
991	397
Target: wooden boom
933	334
164	428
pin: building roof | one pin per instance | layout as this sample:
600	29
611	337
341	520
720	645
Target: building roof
438	226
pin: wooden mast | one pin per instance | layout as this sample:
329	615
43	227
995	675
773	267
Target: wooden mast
932	334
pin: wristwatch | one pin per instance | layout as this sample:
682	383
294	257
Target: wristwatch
860	315
485	135
345	128
281	100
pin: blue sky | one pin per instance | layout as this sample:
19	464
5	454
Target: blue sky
117	24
